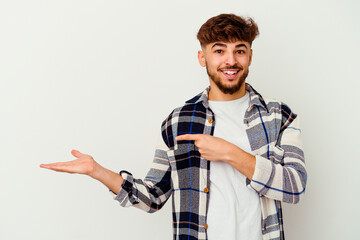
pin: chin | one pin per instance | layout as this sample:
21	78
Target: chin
232	88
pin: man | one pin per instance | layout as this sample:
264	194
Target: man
251	144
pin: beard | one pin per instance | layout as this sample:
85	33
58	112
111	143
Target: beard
225	89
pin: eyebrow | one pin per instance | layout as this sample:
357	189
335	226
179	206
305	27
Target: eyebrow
224	45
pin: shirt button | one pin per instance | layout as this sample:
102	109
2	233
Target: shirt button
211	120
206	190
205	226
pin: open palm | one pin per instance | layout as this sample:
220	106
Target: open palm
84	164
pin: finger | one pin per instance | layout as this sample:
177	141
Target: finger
59	166
189	137
76	153
44	165
50	165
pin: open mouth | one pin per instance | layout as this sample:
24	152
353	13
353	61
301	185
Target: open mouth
230	74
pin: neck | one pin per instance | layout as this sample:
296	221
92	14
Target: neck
215	94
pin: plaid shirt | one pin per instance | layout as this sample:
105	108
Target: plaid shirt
179	170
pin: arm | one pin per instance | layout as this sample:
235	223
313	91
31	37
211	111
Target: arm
217	149
284	181
85	164
151	193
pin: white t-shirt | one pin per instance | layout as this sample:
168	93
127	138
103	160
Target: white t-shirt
234	209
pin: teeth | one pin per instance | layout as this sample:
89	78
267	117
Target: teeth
230	72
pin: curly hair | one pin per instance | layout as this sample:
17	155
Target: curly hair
227	28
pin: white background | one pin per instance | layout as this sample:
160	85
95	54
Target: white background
100	76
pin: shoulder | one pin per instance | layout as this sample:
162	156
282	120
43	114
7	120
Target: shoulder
187	107
275	103
270	104
189	117
191	106
284	112
170	125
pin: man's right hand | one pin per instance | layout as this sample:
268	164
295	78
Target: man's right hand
85	164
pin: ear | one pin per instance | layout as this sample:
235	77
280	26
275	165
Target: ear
250	56
201	58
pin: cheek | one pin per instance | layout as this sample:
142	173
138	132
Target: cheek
244	61
242	64
215	65
211	65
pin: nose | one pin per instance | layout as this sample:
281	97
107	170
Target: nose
230	59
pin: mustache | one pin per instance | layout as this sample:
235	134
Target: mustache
235	67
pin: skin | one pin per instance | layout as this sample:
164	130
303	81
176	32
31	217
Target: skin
85	164
220	56
216	57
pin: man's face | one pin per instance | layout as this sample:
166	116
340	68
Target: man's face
227	64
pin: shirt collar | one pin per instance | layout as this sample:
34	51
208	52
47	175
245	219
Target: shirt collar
255	98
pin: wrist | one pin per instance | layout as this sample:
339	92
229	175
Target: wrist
96	171
233	155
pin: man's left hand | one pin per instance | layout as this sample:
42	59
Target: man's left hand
217	149
211	148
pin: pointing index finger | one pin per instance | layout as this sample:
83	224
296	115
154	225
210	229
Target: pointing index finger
190	137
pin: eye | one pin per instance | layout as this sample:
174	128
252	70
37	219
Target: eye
218	51
240	51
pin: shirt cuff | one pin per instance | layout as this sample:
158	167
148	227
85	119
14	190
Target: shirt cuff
125	193
264	171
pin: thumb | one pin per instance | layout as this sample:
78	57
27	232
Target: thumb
76	153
